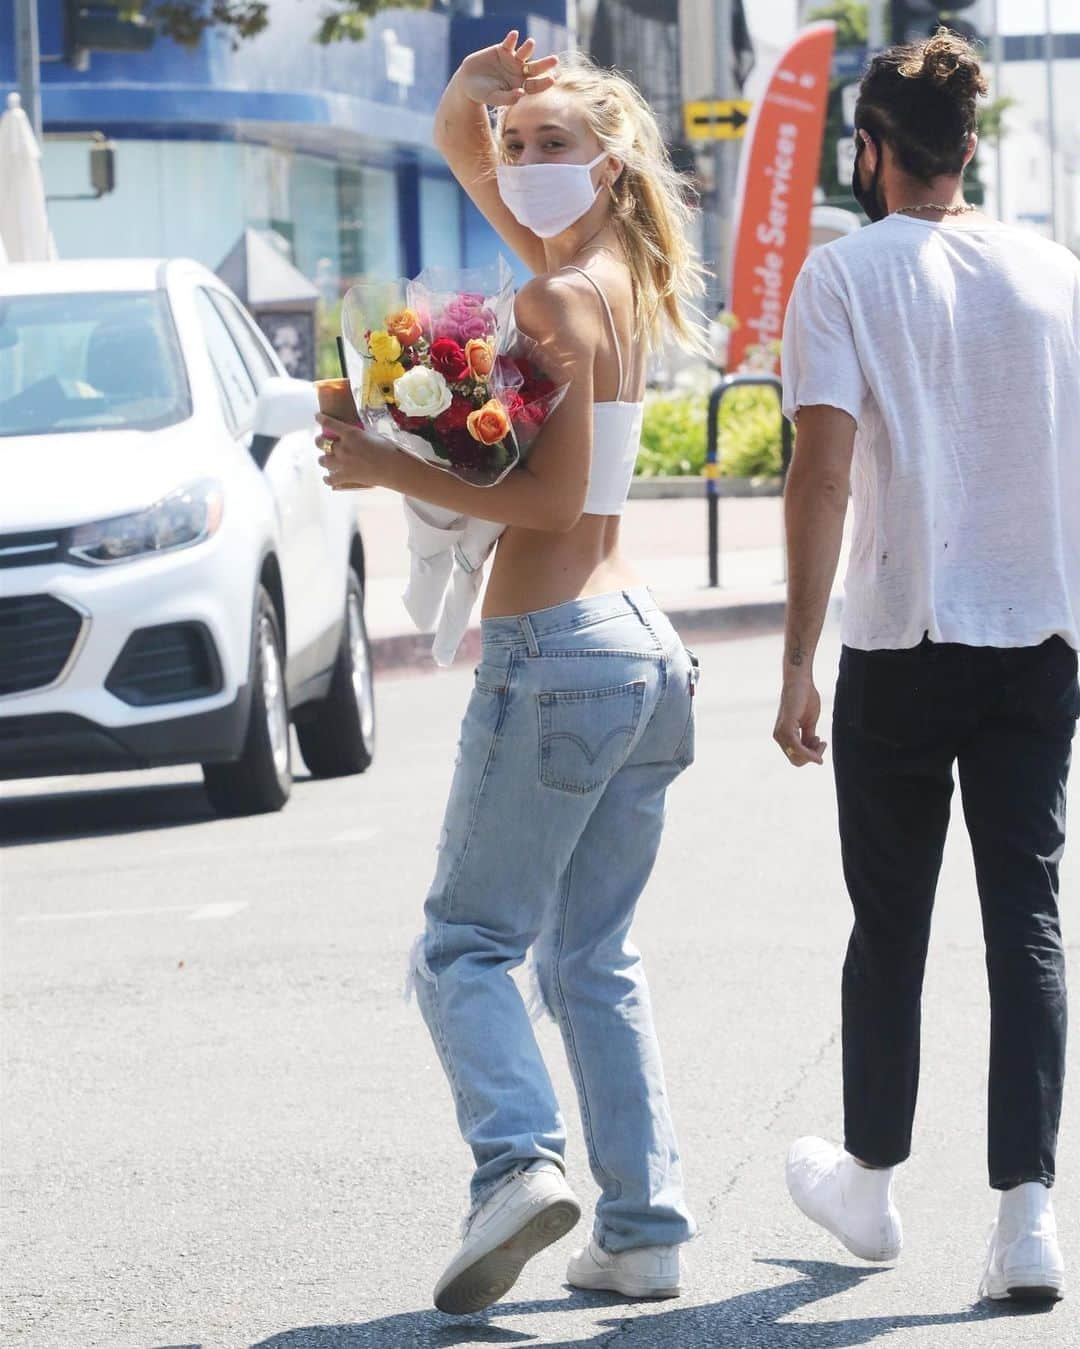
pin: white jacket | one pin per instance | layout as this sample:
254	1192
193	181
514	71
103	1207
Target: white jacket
447	553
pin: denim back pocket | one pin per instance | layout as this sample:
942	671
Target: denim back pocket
586	735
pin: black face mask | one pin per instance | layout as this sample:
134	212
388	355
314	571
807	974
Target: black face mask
869	198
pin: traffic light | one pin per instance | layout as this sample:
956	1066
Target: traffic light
913	20
101	27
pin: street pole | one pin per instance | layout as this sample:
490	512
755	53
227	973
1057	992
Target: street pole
1051	119
998	54
29	61
876	25
724	82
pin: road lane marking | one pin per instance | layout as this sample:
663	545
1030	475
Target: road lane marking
356	836
101	913
223	910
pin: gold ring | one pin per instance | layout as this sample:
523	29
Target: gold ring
525	66
789	751
325	444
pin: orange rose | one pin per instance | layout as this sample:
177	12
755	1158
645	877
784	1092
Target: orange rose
405	325
481	356
489	424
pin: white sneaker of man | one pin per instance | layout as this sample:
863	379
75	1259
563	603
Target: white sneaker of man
1024	1259
646	1271
851	1201
527	1212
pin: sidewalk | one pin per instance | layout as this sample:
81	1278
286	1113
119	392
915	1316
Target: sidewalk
665	539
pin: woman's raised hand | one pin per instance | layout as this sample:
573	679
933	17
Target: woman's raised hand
498	77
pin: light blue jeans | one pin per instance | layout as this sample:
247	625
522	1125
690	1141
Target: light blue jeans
581	717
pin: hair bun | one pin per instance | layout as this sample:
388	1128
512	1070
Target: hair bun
947	61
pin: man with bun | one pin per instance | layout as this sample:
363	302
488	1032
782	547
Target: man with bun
932	362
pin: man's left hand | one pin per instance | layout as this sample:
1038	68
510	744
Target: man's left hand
796	723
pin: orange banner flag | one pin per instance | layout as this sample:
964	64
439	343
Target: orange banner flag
778	172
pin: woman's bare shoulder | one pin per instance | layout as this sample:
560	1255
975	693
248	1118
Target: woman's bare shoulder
551	304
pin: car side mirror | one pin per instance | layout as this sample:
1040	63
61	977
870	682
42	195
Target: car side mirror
284	406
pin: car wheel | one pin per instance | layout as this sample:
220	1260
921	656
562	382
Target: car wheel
261	779
337	734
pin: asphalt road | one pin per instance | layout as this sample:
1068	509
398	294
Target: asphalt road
224	1128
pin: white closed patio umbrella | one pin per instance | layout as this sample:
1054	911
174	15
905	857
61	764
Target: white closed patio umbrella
24	224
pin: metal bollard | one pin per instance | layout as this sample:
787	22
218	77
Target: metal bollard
711	471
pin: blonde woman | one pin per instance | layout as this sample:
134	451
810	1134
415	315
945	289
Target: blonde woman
582	712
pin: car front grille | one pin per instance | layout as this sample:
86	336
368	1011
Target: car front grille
166	664
37	637
31	549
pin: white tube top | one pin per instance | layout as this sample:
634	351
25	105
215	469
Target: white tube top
616	438
616	435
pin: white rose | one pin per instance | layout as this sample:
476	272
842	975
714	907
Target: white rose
421	392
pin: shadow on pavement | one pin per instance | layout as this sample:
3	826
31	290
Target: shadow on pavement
49	816
46	817
741	1322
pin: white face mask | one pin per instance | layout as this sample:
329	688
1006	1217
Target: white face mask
547	198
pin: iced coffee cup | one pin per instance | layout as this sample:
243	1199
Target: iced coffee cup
336	400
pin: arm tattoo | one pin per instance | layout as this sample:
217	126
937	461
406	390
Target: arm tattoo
798	656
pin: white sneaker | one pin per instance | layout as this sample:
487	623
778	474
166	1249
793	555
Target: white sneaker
850	1201
648	1271
1024	1258
526	1213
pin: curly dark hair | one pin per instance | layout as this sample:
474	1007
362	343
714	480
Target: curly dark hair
922	98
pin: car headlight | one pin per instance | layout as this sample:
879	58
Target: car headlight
181	519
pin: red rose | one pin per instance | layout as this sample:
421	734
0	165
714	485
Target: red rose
455	416
448	358
533	414
513	402
537	388
406	423
464	451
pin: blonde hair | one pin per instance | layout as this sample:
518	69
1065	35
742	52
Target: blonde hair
650	207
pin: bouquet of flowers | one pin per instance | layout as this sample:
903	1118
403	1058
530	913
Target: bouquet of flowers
438	366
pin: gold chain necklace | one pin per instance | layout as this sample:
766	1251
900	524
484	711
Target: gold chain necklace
962	209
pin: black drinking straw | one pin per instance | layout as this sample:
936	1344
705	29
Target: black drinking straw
341	356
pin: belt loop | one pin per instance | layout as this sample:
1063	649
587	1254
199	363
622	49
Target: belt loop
628	596
529	635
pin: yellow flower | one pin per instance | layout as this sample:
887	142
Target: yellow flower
384	347
379	382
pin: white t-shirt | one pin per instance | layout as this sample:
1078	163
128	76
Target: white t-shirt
956	349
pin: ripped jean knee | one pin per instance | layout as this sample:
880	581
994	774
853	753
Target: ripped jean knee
418	967
539	973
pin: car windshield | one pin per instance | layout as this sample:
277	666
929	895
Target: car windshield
89	362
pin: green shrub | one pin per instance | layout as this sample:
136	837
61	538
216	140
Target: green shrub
673	435
327	327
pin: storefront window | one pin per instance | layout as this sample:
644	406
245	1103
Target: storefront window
440	222
368	215
339	220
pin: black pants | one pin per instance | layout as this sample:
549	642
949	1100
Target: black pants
1006	718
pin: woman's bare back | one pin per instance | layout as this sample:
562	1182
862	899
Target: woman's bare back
537	569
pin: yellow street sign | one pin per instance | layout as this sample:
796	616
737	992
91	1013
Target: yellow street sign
716	119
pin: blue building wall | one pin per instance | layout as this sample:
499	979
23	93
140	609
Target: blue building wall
293	123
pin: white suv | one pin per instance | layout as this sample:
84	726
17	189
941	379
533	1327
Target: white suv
176	582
